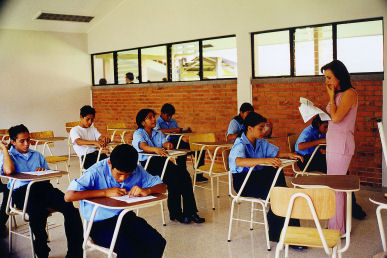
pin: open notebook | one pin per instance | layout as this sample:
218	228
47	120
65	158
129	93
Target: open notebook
41	173
126	198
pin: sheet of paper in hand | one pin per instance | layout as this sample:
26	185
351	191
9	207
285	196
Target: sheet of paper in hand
308	110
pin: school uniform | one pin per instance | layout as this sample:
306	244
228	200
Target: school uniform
90	134
42	196
235	126
261	178
318	162
176	177
136	237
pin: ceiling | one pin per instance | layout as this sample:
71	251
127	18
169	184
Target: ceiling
21	14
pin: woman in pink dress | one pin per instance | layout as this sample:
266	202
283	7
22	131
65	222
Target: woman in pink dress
342	108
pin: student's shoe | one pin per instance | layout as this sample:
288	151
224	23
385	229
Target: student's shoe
195	218
180	218
201	178
358	213
298	247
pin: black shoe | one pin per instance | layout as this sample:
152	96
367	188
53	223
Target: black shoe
298	247
358	213
195	218
180	218
201	178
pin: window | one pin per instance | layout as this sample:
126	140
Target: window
219	58
127	62
103	69
154	64
185	61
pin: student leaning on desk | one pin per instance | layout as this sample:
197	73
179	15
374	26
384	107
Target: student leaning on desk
42	194
117	176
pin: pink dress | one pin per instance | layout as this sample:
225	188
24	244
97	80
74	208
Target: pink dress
340	149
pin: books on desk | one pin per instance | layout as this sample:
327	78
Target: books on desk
41	173
126	198
308	110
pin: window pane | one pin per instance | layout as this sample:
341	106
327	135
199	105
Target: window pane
185	61
360	46
154	64
272	53
313	49
103	68
220	58
127	62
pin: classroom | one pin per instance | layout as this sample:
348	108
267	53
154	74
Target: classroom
206	58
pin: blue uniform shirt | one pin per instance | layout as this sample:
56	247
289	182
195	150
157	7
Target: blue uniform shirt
242	148
161	124
235	127
140	135
27	162
99	176
308	134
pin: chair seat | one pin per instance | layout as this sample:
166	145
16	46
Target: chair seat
309	237
217	168
55	159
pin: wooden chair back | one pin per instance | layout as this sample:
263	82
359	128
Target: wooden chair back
200	137
70	125
323	200
42	134
292	139
3	131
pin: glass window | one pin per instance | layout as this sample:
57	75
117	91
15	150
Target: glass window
185	61
127	62
272	54
360	46
103	69
219	58
154	64
313	49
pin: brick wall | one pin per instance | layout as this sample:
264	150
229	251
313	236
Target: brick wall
279	102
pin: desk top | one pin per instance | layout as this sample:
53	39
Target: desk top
28	177
378	198
111	203
51	139
336	182
181	152
220	143
122	129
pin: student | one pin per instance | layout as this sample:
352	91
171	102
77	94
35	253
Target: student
312	136
42	194
85	133
166	124
176	177
129	77
251	150
3	214
119	175
236	124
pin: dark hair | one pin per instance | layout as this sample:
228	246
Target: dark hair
168	109
102	81
316	122
252	119
340	72
124	158
15	130
87	110
246	107
141	115
130	76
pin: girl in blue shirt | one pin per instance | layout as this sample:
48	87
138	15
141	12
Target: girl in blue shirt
176	177
251	150
312	136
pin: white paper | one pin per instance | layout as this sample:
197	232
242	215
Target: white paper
175	152
284	161
308	110
126	198
41	173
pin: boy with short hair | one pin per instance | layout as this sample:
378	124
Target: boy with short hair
42	194
119	175
86	134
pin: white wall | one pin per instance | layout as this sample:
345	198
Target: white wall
45	79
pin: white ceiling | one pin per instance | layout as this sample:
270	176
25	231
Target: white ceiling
21	14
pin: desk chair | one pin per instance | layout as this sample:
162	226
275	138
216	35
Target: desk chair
292	139
214	169
5	136
118	129
69	126
308	204
51	159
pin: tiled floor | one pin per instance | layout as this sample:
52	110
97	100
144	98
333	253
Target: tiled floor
210	239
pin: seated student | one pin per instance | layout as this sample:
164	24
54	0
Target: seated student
42	194
310	137
250	149
236	124
119	175
176	177
85	133
166	124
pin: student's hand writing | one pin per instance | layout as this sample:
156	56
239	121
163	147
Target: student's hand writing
295	156
40	169
138	191
168	145
115	191
161	151
275	162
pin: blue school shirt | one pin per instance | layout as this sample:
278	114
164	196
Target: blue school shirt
140	135
27	162
161	124
99	176
235	127
308	134
242	148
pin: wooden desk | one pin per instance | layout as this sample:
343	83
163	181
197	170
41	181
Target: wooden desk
110	203
50	139
339	183
380	200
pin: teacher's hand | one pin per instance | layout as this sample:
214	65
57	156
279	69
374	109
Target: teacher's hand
331	91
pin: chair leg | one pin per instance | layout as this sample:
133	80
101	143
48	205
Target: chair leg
286	251
266	228
10	233
32	241
251	215
217	187
212	193
278	249
231	218
162	213
194	181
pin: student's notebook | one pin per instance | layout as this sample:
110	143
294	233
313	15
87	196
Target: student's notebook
126	198
41	173
176	152
308	110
